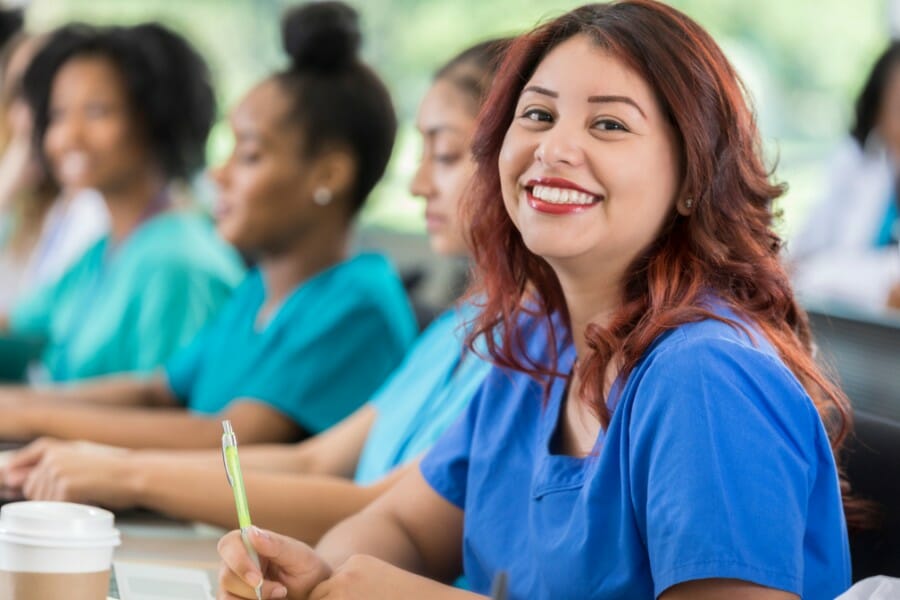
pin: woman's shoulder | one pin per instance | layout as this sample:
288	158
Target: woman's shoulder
725	361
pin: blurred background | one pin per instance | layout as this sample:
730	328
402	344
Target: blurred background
803	62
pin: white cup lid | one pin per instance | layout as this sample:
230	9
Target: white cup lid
57	523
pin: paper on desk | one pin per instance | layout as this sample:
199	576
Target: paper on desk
139	581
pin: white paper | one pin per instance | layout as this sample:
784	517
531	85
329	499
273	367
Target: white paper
138	581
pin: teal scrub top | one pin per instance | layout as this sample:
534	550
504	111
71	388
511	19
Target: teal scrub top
323	354
424	396
128	309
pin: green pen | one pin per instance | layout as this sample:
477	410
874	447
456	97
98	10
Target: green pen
236	481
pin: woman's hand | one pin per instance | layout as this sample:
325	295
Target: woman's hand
290	569
73	472
364	577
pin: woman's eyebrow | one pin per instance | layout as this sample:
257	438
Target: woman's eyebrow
618	99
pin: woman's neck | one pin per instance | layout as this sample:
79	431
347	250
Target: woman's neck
312	253
589	300
129	206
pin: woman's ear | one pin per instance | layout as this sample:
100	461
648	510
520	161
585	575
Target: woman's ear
335	170
686	205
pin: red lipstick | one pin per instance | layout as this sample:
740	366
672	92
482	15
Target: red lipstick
557	208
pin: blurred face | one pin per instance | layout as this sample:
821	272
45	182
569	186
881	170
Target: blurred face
446	123
266	189
889	116
589	167
93	139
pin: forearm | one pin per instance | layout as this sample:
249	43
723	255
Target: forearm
108	391
128	428
373	535
304	507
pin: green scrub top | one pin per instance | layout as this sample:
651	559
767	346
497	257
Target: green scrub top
129	308
322	355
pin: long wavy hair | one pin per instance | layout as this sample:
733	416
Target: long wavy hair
725	248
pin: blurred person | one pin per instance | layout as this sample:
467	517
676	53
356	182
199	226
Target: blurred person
312	331
125	111
41	232
847	249
374	445
656	426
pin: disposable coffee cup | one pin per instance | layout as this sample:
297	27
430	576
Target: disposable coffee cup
51	550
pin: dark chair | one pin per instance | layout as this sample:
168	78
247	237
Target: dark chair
865	351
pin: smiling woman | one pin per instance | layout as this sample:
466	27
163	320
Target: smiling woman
648	344
125	112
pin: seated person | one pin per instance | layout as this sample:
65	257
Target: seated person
847	249
147	287
41	232
405	417
656	426
312	332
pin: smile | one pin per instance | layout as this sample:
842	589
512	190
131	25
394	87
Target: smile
559	196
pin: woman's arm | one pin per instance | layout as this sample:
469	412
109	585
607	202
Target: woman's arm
104	391
410	526
335	451
146	428
304	507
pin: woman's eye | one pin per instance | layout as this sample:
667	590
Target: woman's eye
97	110
609	125
537	114
446	159
248	157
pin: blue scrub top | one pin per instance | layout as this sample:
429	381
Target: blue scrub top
715	464
323	354
423	397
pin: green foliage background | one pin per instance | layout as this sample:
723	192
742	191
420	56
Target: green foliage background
802	60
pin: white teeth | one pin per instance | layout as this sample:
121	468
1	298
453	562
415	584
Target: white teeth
557	195
72	165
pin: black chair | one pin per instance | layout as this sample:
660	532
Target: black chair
865	351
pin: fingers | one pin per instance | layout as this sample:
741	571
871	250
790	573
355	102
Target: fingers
232	586
30	455
237	562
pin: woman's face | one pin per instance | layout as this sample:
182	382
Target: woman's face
589	167
889	114
93	139
265	198
446	122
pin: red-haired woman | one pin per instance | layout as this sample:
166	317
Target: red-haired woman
679	447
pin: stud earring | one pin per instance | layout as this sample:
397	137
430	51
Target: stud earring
322	196
689	203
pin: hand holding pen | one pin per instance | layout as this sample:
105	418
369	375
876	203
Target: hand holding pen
293	567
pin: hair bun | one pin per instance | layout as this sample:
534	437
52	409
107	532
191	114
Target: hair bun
321	36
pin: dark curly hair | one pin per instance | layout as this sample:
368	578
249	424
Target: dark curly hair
337	99
166	80
868	104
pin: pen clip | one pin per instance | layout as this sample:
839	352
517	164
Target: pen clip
226	438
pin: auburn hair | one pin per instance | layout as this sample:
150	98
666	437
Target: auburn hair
726	247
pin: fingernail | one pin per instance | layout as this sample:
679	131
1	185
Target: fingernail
279	592
263	534
253	578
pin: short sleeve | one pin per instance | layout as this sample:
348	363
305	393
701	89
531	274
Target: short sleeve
33	314
721	465
184	367
329	370
171	305
446	466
